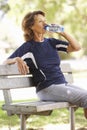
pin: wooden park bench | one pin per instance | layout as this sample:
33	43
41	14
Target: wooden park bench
11	79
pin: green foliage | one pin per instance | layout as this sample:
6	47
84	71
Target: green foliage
70	13
4	7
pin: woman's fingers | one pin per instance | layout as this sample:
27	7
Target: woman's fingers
22	66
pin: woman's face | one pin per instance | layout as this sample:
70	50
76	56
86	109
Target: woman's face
39	23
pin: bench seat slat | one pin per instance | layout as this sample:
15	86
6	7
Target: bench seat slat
37	106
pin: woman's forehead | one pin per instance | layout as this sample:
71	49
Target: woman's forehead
39	16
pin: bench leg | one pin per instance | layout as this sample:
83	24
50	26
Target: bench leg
22	122
72	118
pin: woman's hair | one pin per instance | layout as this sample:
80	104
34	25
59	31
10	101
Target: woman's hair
27	23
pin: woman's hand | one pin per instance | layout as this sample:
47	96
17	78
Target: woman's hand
22	66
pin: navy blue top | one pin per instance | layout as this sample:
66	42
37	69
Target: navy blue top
47	59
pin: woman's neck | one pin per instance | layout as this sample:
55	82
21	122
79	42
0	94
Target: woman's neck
38	37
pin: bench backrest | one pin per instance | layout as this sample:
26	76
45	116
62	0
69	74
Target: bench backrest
11	79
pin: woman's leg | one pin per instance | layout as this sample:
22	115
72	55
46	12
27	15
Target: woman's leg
64	92
67	93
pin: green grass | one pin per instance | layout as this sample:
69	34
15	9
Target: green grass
60	116
5	120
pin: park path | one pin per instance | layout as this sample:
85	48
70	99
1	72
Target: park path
47	127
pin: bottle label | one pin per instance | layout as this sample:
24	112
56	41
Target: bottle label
54	28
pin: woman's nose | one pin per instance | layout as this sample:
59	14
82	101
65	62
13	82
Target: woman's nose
45	24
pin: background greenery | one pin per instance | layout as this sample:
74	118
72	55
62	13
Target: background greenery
72	14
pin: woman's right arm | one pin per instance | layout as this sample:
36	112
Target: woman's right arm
22	66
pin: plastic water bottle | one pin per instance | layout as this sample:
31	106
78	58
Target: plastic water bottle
54	28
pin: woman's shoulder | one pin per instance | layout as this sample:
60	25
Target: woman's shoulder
51	39
25	45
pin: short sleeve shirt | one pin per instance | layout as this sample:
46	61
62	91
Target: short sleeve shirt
47	59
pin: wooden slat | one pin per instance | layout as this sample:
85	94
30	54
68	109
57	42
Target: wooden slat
37	106
12	69
9	69
13	83
23	82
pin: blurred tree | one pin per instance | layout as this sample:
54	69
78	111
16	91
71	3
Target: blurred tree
70	13
4	7
77	21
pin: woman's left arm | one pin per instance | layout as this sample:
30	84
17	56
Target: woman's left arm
73	44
